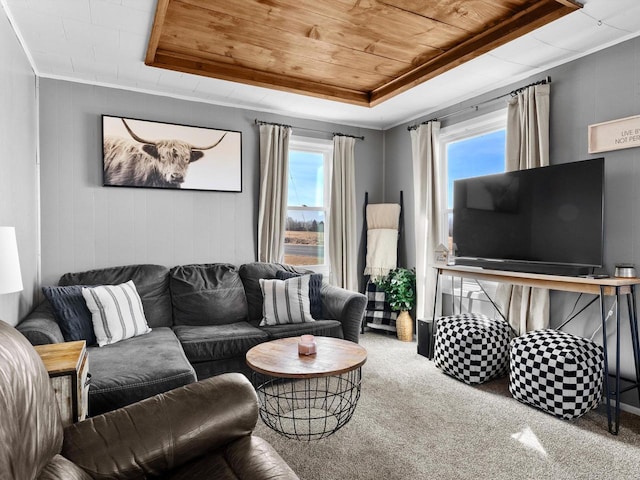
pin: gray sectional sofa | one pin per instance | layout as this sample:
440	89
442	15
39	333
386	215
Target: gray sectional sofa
204	318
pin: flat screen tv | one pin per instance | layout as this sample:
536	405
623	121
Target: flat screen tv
541	220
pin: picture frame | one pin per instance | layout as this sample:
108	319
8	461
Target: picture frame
150	154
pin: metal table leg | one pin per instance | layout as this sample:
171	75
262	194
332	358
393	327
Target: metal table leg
635	342
617	393
435	295
613	418
607	390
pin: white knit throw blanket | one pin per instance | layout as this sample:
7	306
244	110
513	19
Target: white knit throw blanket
382	239
382	247
383	215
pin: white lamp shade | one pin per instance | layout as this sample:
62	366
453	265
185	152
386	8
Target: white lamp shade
10	277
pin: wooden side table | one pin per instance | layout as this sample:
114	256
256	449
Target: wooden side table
68	367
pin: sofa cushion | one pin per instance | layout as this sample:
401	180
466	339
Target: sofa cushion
71	313
321	328
251	273
207	294
212	368
152	283
116	312
136	368
202	344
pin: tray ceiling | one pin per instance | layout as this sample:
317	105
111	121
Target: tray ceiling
361	52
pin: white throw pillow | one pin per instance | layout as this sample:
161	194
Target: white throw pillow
285	301
116	312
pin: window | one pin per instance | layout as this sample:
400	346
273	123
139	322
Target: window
308	203
470	149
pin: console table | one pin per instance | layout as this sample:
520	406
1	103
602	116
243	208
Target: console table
601	287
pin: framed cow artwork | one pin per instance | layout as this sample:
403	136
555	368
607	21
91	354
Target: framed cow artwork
143	153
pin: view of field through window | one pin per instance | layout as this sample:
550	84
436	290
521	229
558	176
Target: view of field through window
305	227
472	157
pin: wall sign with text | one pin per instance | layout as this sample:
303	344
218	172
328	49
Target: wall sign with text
614	135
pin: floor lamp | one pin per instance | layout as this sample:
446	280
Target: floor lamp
10	277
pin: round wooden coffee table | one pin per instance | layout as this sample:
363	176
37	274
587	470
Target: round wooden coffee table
307	397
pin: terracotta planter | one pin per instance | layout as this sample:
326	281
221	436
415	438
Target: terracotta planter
404	326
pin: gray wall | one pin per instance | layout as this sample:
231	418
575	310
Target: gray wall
18	177
597	88
601	87
86	225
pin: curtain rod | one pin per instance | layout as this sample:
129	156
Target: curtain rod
512	93
261	122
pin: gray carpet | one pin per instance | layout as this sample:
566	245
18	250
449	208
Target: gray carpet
414	422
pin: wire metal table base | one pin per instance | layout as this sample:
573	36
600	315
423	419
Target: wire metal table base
310	408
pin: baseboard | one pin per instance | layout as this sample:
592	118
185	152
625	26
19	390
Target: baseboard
630	409
386	328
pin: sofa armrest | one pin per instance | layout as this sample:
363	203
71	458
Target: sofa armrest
160	433
346	306
253	457
40	326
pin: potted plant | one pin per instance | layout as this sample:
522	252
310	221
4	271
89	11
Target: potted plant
399	286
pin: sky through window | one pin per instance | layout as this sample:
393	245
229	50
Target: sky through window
475	156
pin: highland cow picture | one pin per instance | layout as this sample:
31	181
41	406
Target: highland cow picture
141	153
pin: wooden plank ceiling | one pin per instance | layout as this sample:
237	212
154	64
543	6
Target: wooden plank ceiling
356	51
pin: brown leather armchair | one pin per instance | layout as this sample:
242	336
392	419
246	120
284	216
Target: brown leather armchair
202	430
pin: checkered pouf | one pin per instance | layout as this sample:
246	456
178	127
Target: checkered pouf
472	347
557	372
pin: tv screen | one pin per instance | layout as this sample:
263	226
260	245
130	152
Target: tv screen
536	220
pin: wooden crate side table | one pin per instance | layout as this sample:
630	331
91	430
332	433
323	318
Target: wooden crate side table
68	367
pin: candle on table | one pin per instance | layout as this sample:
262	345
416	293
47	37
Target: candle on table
307	345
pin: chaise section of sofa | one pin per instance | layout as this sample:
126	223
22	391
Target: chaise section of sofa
137	368
132	369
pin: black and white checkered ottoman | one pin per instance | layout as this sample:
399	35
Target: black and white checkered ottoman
472	347
557	372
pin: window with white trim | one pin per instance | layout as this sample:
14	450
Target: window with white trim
308	203
469	149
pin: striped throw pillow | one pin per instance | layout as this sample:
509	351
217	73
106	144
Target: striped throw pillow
116	312
285	301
